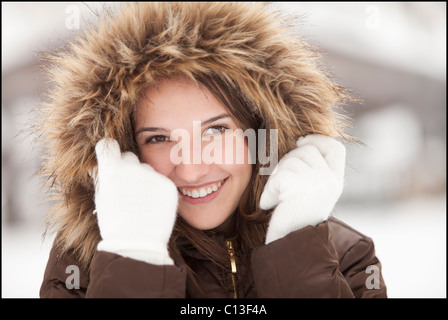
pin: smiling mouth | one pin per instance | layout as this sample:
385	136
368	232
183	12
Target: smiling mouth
203	191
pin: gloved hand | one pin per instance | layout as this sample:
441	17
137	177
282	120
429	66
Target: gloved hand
304	186
135	205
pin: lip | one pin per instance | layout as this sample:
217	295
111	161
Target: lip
205	199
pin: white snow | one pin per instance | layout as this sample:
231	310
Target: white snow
24	257
410	242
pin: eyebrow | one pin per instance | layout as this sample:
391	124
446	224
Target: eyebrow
150	129
204	123
211	120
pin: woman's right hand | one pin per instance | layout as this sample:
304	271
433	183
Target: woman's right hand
135	205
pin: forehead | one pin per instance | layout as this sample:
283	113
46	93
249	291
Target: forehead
174	101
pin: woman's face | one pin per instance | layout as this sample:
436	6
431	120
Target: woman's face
211	175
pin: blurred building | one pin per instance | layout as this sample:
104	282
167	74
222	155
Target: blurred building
393	57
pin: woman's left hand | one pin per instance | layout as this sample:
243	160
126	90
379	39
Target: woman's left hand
305	185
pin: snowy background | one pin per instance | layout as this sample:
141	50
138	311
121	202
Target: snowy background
392	55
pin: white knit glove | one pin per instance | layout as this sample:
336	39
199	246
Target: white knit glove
135	205
304	186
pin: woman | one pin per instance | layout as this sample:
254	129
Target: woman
164	193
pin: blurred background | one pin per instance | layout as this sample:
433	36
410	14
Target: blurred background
391	55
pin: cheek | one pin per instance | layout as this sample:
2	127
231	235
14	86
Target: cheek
159	160
236	150
240	166
241	174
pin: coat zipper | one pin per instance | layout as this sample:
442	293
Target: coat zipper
229	245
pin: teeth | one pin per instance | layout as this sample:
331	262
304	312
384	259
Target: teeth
202	192
195	193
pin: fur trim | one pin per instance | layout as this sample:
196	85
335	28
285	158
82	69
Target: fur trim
99	77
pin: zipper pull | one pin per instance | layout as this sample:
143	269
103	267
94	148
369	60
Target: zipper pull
233	267
232	255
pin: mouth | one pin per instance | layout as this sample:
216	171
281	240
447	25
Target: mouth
203	193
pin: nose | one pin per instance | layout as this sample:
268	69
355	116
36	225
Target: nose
190	170
191	174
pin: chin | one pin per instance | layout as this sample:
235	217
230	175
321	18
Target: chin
202	223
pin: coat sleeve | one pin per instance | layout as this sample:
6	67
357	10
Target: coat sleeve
110	276
357	261
114	276
62	269
306	264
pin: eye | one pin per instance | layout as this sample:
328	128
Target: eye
215	130
157	139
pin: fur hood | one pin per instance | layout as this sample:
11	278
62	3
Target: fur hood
98	77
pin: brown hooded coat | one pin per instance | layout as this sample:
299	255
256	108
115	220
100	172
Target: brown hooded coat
97	80
330	260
